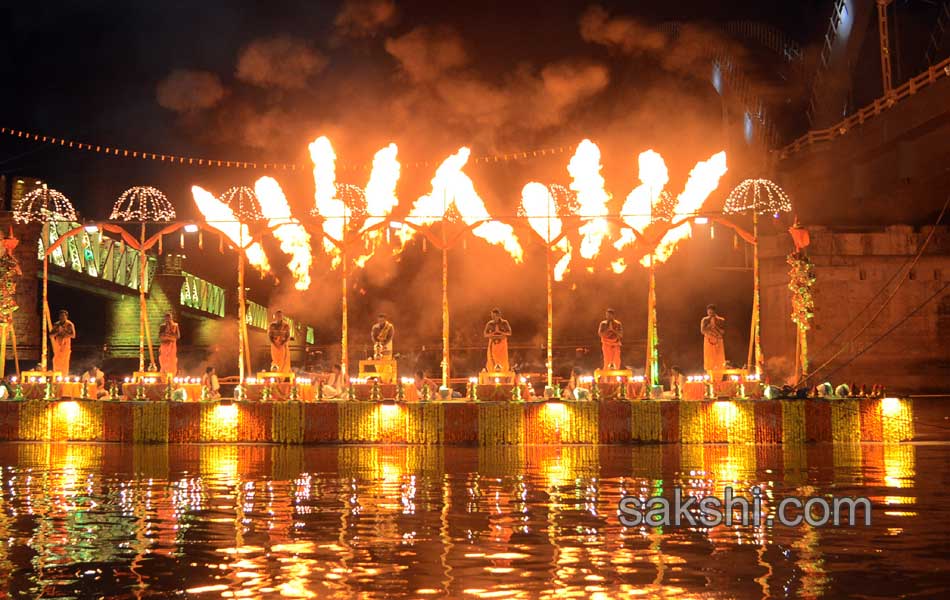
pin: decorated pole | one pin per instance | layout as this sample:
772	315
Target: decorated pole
549	276
652	369
44	353
242	319
345	326
143	204
445	311
754	359
143	313
765	197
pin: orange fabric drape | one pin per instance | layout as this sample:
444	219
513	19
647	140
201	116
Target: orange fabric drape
168	357
280	358
62	349
498	355
611	352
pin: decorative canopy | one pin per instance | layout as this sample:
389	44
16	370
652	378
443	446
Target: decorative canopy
244	203
44	204
761	195
142	204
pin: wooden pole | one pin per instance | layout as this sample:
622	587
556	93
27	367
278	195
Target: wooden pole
241	317
345	326
754	360
445	311
651	371
45	309
549	275
16	356
142	312
3	349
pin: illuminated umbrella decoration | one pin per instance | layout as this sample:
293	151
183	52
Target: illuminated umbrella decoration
760	197
246	208
46	206
143	204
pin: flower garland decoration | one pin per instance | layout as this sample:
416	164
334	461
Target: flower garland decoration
9	274
801	278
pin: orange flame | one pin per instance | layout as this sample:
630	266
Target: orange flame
334	212
703	180
380	198
451	186
587	181
639	205
220	217
540	208
294	239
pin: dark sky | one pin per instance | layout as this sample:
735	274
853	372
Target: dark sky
88	70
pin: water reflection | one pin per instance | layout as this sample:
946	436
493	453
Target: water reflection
258	521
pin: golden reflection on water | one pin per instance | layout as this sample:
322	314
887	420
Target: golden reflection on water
228	521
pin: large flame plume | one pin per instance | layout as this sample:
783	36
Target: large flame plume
703	180
639	208
380	199
452	186
327	204
540	208
220	217
588	183
294	239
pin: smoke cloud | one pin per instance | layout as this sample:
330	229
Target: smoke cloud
365	18
427	52
189	90
283	62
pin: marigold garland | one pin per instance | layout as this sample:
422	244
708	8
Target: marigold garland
150	422
34	420
646	423
692	423
846	421
287	423
793	421
898	423
500	423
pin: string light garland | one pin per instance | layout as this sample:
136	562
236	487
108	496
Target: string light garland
42	205
761	195
178	160
143	204
244	203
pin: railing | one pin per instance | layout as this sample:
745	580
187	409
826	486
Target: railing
911	87
830	36
767	36
941	24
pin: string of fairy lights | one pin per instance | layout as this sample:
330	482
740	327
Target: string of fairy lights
178	160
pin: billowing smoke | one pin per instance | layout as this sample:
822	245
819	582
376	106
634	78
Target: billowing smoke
365	18
282	62
187	90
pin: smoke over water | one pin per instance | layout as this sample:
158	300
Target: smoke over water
433	86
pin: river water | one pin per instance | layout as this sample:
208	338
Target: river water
115	521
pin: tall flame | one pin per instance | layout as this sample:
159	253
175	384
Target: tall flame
540	208
334	212
220	217
380	198
294	239
587	181
452	186
703	180
639	206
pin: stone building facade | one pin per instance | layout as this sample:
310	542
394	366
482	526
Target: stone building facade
865	287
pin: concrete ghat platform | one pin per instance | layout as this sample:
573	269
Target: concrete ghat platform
484	423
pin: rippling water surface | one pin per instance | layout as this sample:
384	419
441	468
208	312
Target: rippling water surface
89	521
